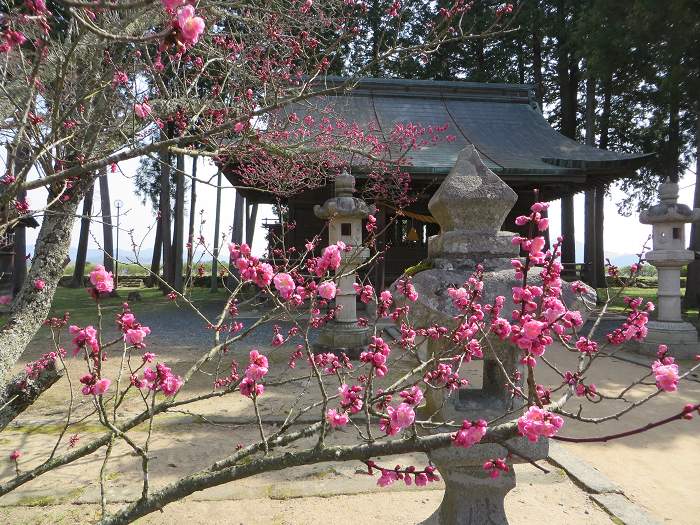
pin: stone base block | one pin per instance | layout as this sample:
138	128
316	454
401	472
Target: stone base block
347	338
465	242
472	497
680	337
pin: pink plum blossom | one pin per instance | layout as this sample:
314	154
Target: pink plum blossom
470	434
191	26
101	279
172	4
258	367
666	375
39	284
5	299
101	386
336	419
538	422
285	285
135	336
249	388
142	110
327	290
400	417
15	455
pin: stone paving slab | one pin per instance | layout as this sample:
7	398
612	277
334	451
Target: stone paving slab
625	512
584	474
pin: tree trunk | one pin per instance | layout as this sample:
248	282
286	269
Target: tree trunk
589	246
165	218
107	241
674	141
521	62
155	260
178	226
217	219
537	66
605	115
692	287
193	211
31	307
79	269
19	259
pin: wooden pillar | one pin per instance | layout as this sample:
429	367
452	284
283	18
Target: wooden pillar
251	216
107	233
237	231
589	246
215	259
568	247
599	262
380	268
238	216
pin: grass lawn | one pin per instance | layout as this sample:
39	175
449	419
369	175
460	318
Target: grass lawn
649	294
81	306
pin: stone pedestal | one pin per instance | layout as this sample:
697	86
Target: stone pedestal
668	219
681	338
345	214
470	206
472	497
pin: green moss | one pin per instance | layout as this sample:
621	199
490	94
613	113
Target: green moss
417	268
37	501
321	474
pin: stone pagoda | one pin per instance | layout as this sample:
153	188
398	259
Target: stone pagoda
345	213
470	206
669	255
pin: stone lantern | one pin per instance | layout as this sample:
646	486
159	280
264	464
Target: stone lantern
669	255
345	213
470	206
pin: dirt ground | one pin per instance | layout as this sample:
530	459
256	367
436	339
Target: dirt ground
659	469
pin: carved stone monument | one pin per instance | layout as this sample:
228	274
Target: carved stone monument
345	213
470	206
668	220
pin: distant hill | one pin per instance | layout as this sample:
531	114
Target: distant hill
96	256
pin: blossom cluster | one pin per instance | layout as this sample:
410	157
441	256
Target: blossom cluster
538	422
257	369
134	332
158	379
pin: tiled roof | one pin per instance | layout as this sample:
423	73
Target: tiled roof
501	120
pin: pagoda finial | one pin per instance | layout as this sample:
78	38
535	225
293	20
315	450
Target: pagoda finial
344	184
472	197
